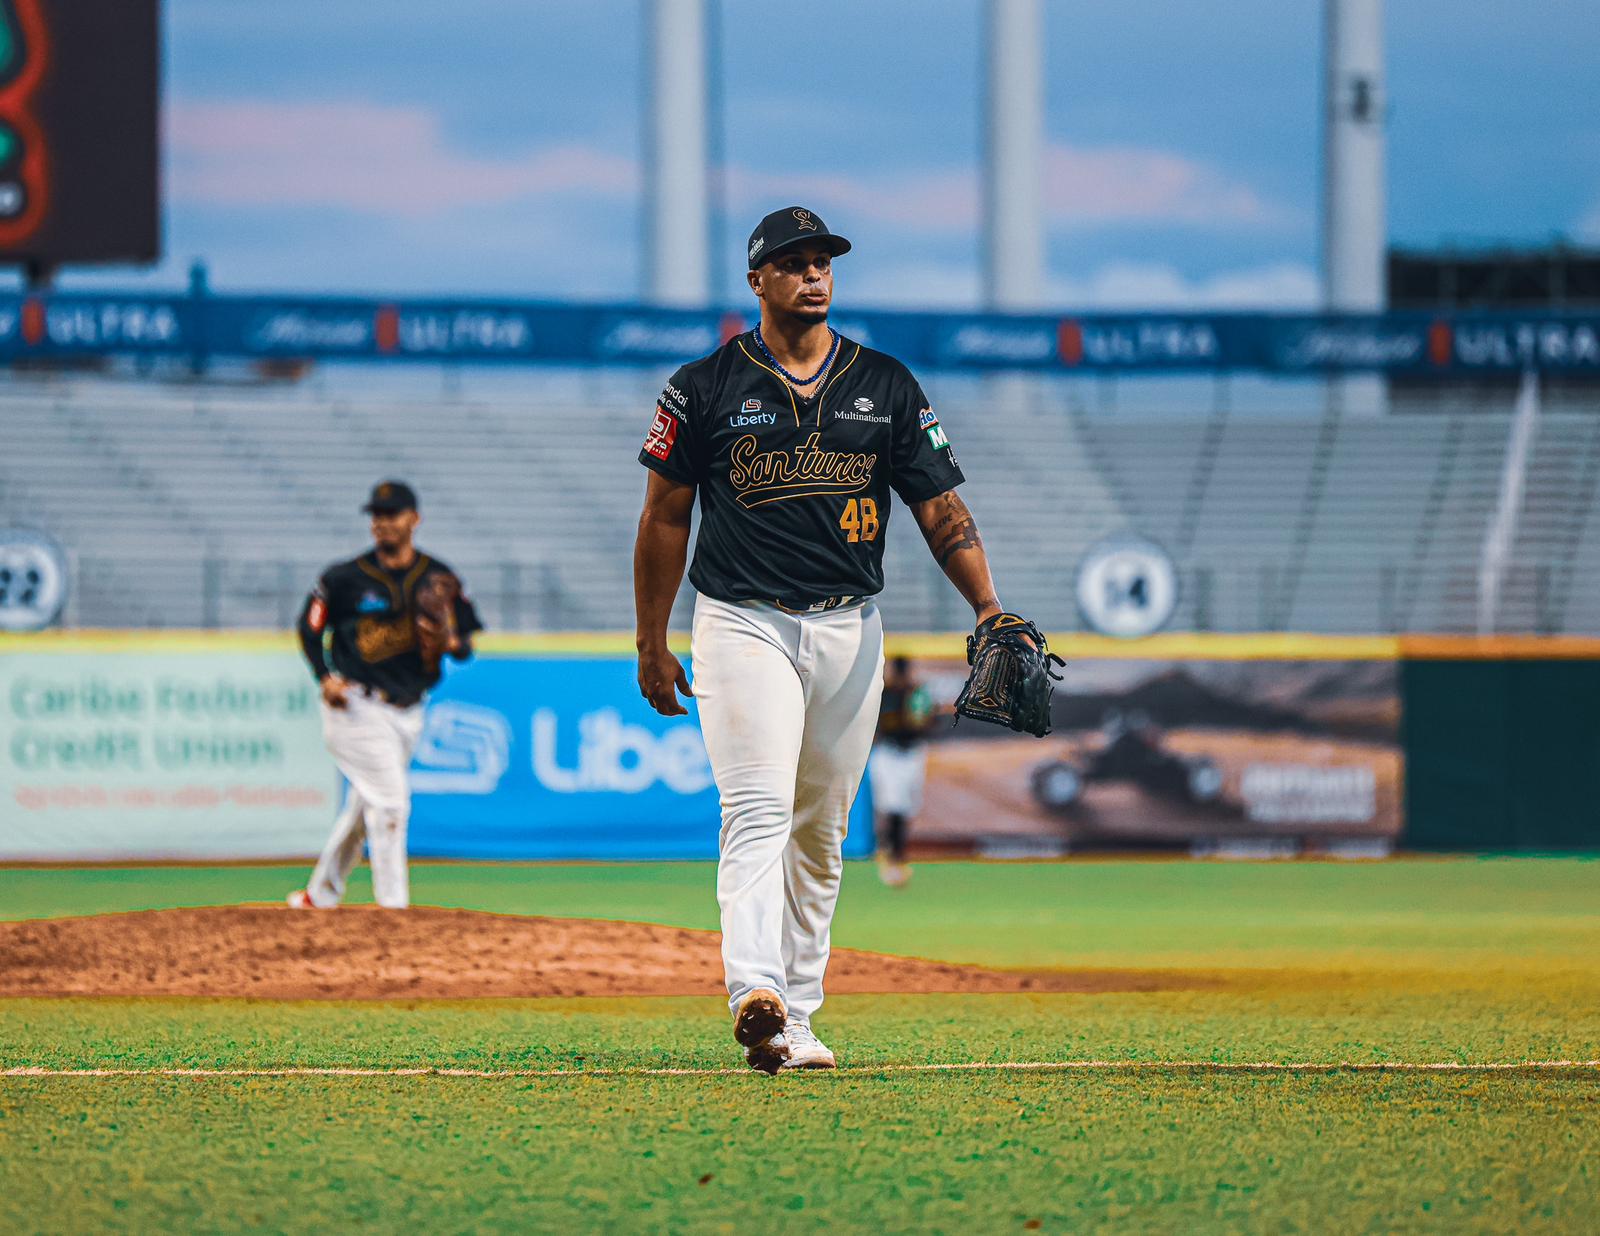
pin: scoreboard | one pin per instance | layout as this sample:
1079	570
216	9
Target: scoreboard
79	113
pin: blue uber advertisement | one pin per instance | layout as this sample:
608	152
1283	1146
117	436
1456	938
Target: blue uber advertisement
528	757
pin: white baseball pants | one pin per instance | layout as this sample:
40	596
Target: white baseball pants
897	774
371	742
788	705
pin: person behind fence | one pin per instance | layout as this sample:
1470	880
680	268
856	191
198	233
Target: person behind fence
393	613
897	766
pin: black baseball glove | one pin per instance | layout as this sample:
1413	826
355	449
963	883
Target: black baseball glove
1011	678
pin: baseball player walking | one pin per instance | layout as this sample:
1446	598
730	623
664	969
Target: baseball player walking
898	764
393	612
793	437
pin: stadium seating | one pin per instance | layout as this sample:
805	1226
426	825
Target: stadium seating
216	504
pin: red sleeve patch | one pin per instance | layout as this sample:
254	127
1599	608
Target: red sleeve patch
317	614
663	433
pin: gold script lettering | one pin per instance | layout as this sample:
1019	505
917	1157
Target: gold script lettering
805	472
378	639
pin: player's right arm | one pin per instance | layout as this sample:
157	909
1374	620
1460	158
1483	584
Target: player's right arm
312	623
673	451
659	552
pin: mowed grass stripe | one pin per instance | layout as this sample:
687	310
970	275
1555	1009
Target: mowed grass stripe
977	1066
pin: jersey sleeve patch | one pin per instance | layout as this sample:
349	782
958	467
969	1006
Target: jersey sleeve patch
663	433
317	614
674	401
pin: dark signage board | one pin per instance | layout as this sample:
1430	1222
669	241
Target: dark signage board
79	119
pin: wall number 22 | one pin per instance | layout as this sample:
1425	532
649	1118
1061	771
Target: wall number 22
860	519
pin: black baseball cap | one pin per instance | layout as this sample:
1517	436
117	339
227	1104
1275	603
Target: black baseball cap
786	228
391	497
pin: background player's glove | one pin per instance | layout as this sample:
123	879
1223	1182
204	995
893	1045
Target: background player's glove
1011	678
435	618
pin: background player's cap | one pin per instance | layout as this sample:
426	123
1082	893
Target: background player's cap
388	497
786	228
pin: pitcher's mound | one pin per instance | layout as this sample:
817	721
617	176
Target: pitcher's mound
362	953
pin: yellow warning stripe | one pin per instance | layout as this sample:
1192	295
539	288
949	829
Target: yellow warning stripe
1176	646
1179	646
159	641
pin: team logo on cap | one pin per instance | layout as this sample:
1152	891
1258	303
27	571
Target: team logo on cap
385	491
804	219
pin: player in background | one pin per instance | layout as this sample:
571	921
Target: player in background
795	439
898	764
393	612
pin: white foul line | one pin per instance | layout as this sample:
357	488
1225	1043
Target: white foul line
982	1066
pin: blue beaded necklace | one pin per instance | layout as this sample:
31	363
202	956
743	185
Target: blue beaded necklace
826	364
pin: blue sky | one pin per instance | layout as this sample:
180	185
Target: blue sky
493	146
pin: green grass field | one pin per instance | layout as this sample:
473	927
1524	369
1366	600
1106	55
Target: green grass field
1401	963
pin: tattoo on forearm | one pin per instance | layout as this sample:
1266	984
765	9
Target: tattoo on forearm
963	536
952	530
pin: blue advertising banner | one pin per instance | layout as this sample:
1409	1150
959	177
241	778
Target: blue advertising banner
202	325
561	759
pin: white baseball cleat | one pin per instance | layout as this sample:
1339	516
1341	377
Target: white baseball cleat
893	874
300	899
758	1028
806	1050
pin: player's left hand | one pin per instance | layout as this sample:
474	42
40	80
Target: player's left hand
994	611
1013	672
661	678
434	619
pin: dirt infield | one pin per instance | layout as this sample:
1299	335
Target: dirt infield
360	953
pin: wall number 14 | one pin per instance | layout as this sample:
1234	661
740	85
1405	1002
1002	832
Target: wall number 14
860	519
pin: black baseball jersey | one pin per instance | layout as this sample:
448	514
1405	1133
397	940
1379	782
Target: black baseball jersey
370	609
904	715
794	491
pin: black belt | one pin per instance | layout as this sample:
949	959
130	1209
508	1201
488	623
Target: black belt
378	693
817	607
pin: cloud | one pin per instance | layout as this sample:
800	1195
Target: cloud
1588	227
1087	186
1116	285
1084	187
1283	285
396	160
365	157
417	210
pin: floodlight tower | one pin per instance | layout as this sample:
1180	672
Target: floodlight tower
677	210
1014	249
1354	190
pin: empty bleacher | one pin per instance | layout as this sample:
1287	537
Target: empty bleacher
216	505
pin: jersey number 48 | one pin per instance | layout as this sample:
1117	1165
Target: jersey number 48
860	520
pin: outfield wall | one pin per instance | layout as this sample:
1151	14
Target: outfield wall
206	745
